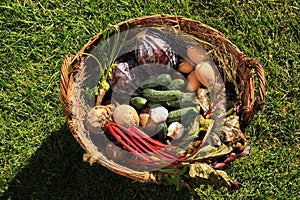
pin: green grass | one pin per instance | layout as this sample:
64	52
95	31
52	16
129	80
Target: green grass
41	160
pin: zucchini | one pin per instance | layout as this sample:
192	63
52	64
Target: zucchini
176	84
161	95
138	102
183	113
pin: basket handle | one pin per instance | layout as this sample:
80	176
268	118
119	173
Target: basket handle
260	99
65	83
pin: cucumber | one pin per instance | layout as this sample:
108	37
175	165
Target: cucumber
155	103
162	80
138	102
176	84
185	101
161	95
184	113
150	83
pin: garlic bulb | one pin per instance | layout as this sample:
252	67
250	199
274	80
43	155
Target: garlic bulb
175	130
159	114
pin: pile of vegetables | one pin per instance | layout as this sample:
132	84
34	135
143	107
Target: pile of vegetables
171	118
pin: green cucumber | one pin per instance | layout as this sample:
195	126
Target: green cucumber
183	113
161	95
150	83
156	103
162	80
185	101
138	102
176	84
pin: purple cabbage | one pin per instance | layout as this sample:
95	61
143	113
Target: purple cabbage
154	51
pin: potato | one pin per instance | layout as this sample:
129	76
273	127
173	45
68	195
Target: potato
197	54
185	66
193	82
144	119
205	74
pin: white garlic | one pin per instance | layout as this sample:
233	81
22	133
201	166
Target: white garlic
175	130
159	114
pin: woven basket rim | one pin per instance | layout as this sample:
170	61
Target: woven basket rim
245	67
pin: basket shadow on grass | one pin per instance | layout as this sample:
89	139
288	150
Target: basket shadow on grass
56	171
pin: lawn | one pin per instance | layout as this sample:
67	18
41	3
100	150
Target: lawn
40	159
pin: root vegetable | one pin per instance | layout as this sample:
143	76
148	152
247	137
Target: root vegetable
205	74
193	82
185	66
197	54
126	115
98	117
144	119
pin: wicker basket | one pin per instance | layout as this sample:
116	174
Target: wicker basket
238	70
